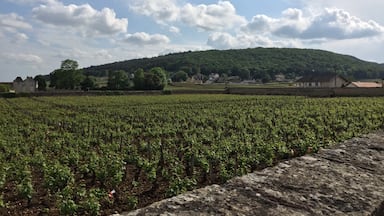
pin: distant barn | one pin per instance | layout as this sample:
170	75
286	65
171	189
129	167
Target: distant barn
322	81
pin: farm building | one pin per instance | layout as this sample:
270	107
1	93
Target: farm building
322	81
27	85
364	85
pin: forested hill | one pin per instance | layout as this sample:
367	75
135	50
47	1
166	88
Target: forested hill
251	63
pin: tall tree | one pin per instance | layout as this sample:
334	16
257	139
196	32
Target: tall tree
159	79
88	83
155	79
69	65
118	80
68	76
138	79
179	76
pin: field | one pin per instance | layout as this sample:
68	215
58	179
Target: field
98	155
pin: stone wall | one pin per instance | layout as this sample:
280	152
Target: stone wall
312	92
347	179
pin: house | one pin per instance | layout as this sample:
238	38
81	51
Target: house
196	79
213	77
364	85
322	81
26	86
280	78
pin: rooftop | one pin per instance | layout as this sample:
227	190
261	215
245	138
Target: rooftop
319	78
366	84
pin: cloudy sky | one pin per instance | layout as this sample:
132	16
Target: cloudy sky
36	35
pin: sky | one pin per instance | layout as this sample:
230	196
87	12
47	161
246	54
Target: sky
37	35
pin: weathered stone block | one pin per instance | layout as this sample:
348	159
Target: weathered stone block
347	179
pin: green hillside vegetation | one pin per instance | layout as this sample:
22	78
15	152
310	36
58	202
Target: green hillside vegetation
255	63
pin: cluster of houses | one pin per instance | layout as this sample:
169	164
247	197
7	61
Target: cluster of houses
309	81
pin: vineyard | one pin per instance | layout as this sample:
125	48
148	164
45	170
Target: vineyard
99	155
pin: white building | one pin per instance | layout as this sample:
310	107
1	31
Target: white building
322	81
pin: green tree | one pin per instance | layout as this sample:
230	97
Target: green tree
138	79
68	76
159	78
149	82
53	77
155	79
41	82
266	78
118	80
244	74
88	83
180	76
69	65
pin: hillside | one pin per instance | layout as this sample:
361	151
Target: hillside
251	63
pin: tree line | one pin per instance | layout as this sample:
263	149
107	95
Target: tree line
70	77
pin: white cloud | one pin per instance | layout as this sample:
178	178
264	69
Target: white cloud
13	21
260	24
84	18
291	24
21	58
103	54
222	40
369	49
19	37
174	29
339	24
160	10
84	54
12	27
142	38
214	17
371	9
31	2
329	24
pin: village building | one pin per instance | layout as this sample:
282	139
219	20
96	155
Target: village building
322	81
24	86
364	85
280	78
213	77
196	79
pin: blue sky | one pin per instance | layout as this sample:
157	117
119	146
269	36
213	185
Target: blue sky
36	35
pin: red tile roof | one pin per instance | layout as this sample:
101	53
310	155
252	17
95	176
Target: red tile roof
366	84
